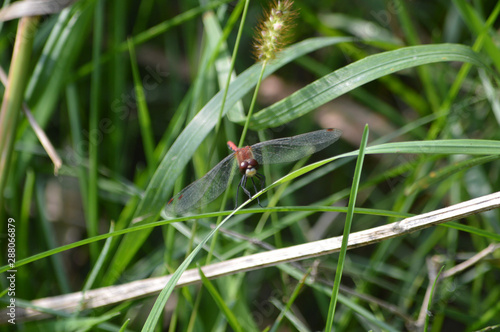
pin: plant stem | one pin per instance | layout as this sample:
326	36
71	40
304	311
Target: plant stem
14	94
252	105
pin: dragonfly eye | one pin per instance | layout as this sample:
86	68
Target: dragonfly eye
249	167
253	163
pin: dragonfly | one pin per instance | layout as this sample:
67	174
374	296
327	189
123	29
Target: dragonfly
247	160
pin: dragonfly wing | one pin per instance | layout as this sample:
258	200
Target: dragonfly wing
288	149
204	190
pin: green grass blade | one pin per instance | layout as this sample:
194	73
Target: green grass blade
76	324
100	262
231	318
22	247
456	146
14	94
480	28
157	310
49	235
445	172
426	326
356	74
137	228
156	31
94	142
76	136
473	230
144	119
51	73
290	301
97	267
347	230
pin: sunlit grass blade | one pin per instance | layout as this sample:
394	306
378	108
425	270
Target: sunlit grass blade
356	74
347	230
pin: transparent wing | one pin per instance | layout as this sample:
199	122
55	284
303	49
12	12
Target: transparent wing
288	149
203	190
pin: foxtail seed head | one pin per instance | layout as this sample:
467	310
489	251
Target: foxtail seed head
274	30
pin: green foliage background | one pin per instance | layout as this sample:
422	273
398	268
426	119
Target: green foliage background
130	94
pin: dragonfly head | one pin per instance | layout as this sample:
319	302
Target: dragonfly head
249	167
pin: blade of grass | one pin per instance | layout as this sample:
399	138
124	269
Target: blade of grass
40	134
155	31
412	36
482	29
53	70
237	111
293	319
473	230
77	140
356	74
290	301
231	318
445	172
136	228
347	230
347	301
457	85
426	326
144	119
118	76
22	240
22	233
14	94
95	95
76	324
49	234
96	269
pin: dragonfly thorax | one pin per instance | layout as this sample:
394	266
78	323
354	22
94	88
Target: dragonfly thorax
249	167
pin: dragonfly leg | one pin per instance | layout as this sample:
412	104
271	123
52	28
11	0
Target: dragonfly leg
244	186
262	180
242	183
255	188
